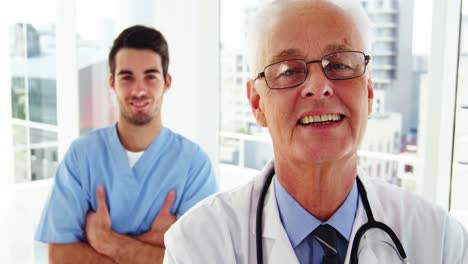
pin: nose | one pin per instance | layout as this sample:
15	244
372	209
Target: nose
139	89
316	84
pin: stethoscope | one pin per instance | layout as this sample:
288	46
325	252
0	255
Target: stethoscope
371	223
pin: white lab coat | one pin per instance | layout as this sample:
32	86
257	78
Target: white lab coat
221	229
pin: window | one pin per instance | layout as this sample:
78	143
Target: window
379	4
95	32
33	93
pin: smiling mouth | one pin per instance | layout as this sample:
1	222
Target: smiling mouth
139	104
318	120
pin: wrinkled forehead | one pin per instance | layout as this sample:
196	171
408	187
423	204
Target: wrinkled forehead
307	30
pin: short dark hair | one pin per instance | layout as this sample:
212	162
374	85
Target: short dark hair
141	37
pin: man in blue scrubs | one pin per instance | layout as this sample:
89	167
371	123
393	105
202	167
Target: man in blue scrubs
120	188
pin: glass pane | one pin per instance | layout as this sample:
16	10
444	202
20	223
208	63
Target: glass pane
96	31
36	158
42	100
21	157
238	155
41	77
390	149
44	155
230	151
459	195
33	84
18	70
33	72
18	97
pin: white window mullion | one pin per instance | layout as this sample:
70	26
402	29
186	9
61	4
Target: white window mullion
210	81
437	134
201	29
67	76
37	125
26	100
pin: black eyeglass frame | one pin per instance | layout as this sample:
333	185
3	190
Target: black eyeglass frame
367	59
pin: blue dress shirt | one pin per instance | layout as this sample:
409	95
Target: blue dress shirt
299	223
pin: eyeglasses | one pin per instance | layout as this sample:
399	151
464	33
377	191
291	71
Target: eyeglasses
342	65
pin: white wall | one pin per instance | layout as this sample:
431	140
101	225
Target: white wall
191	107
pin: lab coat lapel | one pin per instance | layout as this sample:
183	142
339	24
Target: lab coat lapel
277	248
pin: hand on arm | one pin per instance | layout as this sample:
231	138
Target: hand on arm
162	222
147	248
98	224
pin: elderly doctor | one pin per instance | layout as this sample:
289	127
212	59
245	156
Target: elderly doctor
312	204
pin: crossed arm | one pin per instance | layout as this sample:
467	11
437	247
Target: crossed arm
106	246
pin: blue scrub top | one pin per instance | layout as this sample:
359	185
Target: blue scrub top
134	195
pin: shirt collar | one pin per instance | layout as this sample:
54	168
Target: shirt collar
299	223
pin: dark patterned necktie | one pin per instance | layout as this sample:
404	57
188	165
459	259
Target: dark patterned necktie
327	236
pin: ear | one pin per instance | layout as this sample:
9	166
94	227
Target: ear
254	99
167	83
370	96
112	82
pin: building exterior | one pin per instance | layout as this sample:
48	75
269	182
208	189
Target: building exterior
394	72
383	135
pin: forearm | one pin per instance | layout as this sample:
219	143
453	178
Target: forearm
124	249
76	253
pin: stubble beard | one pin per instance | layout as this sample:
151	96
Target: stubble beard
139	119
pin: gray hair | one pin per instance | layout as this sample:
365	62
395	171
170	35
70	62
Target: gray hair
268	8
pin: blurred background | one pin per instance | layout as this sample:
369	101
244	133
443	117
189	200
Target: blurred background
54	88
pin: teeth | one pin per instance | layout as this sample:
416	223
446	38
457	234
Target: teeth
319	118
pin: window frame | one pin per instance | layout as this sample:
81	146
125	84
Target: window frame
438	141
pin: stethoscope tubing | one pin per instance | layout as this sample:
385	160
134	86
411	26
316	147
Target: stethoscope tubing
371	223
260	205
